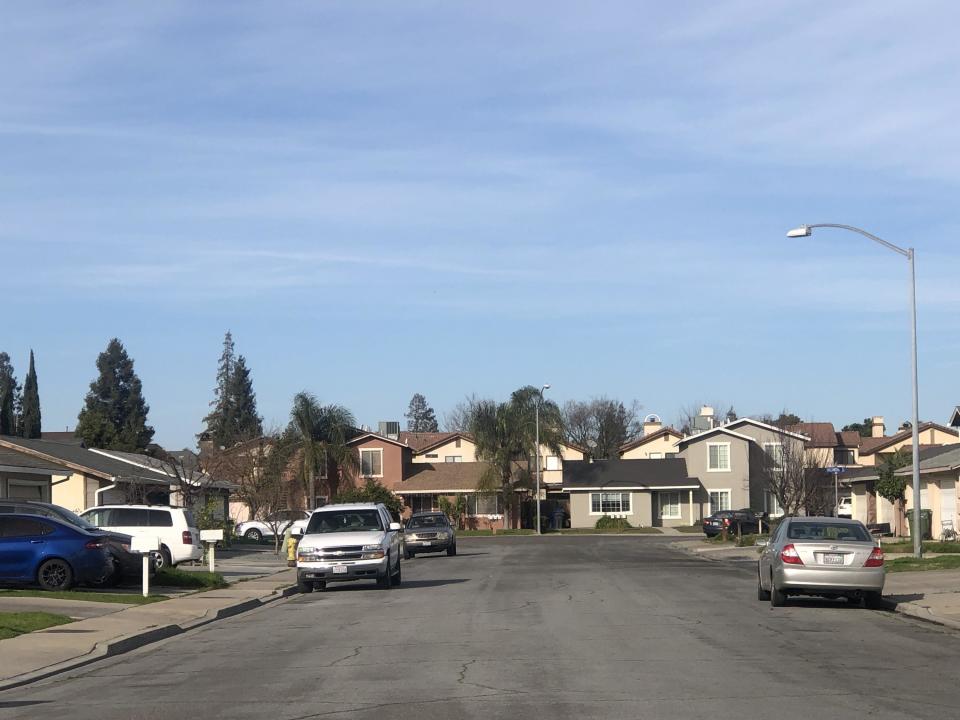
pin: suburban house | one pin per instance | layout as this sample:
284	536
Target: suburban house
85	478
26	477
656	443
829	447
873	450
644	492
439	447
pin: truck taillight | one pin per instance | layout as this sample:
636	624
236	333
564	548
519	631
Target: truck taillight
875	559
187	537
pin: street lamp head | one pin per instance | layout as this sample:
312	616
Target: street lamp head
545	387
802	231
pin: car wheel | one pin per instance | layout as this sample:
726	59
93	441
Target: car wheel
398	576
384	580
55	574
320	586
408	554
304	586
253	535
872	600
162	559
778	598
761	593
452	550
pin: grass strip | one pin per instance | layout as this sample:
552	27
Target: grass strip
85	595
18	623
943	562
200	579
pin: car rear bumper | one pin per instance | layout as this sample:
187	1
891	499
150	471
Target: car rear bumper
818	580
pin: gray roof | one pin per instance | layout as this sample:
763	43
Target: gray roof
623	474
174	474
82	460
942	457
12	458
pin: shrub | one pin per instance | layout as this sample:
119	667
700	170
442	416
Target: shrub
372	491
605	522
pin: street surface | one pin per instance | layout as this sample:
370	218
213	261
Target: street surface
522	627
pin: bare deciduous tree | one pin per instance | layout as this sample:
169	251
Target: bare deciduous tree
794	478
602	425
457	419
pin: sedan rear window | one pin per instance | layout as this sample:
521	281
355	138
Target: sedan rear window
828	532
344	521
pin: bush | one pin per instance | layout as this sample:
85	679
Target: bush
174	577
605	522
374	492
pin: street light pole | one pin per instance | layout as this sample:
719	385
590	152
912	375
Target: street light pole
909	253
537	423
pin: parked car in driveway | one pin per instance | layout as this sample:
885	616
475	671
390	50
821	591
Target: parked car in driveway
357	541
845	507
126	563
174	526
429	532
826	557
54	554
257	530
748	520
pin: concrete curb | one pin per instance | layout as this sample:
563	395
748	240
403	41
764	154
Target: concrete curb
145	637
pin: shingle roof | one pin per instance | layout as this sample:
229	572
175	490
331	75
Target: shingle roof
641	474
14	458
850	438
644	439
420	441
191	474
61	437
872	445
443	477
83	460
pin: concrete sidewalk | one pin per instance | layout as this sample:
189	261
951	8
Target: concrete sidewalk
40	654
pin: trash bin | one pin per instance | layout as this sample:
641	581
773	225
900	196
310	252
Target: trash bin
557	520
926	520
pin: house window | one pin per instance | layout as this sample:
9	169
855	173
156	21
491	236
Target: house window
606	503
423	503
843	456
719	457
453	458
432	456
671	456
28	490
553	463
774	453
486	504
656	456
774	508
371	462
669	505
719	500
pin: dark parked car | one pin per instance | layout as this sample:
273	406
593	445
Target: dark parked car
429	532
51	553
126	563
748	521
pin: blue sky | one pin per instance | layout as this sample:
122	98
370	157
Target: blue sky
449	198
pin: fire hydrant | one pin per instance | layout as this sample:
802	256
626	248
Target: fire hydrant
292	541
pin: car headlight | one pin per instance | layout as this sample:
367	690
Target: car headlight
372	552
410	536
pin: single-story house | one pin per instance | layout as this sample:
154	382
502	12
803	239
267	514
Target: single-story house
24	477
644	492
426	483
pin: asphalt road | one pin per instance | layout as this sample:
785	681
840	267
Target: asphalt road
554	627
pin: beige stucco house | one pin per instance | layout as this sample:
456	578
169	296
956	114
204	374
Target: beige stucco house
659	444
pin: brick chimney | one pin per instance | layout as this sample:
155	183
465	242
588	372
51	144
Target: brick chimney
877	428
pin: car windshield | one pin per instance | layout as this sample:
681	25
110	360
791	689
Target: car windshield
75	519
427	521
333	521
821	531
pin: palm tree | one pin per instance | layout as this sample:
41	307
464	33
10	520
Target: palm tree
505	437
323	432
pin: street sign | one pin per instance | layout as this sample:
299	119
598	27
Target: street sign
834	470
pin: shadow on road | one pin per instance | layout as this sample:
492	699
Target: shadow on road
406	585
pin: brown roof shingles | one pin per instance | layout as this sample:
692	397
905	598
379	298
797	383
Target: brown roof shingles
443	477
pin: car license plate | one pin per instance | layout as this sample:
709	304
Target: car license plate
339	569
833	559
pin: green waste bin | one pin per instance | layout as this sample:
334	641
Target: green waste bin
926	520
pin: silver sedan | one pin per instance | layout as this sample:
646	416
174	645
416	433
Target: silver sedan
827	557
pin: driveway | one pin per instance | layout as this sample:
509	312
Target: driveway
526	627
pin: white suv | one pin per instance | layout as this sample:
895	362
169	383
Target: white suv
357	541
257	530
178	533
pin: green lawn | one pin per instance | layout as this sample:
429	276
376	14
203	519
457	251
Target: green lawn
607	531
943	562
87	596
482	533
690	529
906	546
174	577
18	623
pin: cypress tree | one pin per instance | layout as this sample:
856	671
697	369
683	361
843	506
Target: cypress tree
234	415
9	397
30	418
114	416
246	422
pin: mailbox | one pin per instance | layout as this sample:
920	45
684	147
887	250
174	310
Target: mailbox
209	536
144	544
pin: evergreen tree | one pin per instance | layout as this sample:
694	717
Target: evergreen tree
114	416
30	417
234	415
9	397
420	416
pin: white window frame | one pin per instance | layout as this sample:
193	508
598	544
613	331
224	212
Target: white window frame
44	486
476	497
621	513
655	456
729	493
773	503
766	449
371	450
679	513
557	463
453	458
729	467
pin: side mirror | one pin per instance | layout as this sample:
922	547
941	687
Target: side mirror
394	526
296	532
761	542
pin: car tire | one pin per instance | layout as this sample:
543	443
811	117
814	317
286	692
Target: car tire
320	586
397	577
872	600
304	586
162	559
55	574
384	581
761	593
253	535
408	554
452	550
778	598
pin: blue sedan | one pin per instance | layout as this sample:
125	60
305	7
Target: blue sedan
51	553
